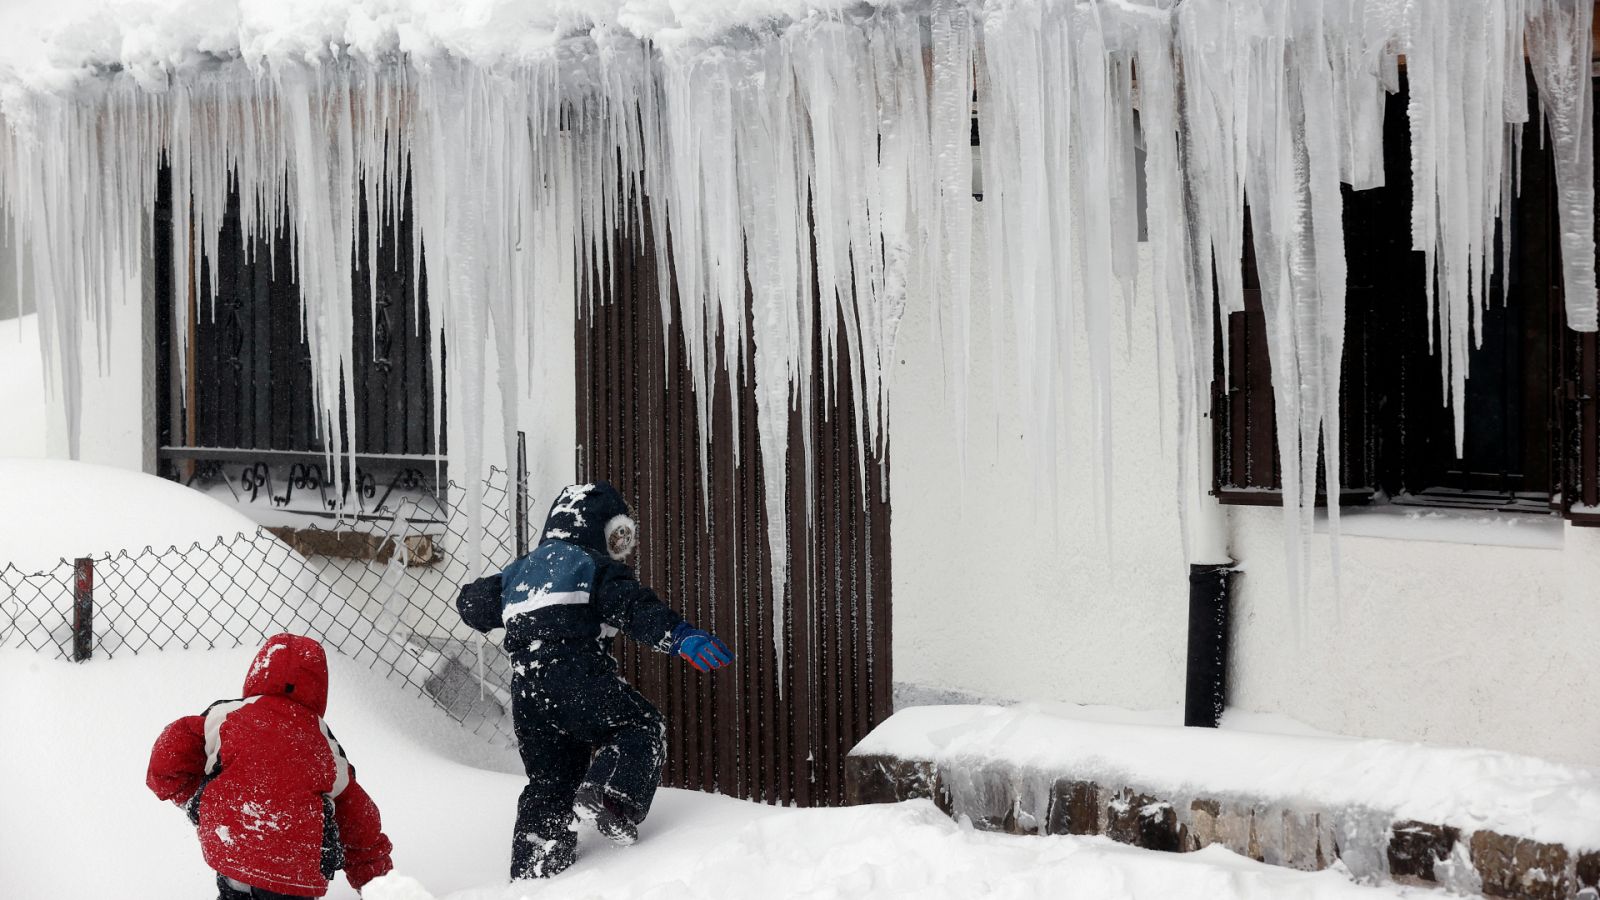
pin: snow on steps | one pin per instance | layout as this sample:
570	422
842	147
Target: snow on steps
1472	820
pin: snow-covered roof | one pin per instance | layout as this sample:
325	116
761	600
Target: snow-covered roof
55	43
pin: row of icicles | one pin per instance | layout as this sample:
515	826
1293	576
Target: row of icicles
839	148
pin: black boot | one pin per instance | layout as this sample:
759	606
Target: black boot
606	814
538	857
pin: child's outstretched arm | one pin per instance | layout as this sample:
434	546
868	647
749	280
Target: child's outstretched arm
636	611
178	760
366	847
479	604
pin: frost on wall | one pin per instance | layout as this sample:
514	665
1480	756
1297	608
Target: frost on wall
773	149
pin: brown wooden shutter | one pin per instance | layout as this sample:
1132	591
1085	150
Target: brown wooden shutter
1578	454
1580	489
1248	469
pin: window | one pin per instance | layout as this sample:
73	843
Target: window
244	420
1531	430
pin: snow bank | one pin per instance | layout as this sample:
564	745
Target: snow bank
1471	789
53	510
22	373
172	567
81	735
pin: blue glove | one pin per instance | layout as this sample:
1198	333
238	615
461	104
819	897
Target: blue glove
702	649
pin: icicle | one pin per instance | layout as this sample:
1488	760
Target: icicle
1560	48
1101	147
772	191
1026	165
1460	108
949	240
1180	259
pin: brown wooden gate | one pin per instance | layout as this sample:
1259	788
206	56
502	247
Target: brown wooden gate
733	732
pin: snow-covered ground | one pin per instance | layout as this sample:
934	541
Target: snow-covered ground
77	821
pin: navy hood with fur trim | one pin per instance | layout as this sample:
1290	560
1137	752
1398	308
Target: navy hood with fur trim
580	513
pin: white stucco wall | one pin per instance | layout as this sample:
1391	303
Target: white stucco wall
1455	643
10	296
1488	645
112	423
993	595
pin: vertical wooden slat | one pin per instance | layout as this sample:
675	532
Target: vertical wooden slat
1586	478
165	290
364	331
882	563
800	610
286	353
258	281
661	429
1237	471
191	400
832	579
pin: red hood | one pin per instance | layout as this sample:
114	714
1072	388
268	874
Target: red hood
292	666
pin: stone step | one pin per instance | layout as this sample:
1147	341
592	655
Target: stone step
1373	845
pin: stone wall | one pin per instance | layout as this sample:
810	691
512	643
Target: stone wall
1369	843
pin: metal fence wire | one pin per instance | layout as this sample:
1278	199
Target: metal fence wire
381	592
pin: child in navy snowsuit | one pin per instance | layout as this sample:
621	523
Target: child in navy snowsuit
592	745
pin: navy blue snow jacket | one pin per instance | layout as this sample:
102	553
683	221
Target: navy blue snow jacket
568	593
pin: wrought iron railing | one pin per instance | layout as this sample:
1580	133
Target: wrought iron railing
303	483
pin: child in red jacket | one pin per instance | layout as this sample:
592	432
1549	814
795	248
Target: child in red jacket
276	803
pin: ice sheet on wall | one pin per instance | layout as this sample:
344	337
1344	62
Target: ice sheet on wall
775	150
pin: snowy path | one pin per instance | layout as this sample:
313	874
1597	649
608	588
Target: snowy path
76	820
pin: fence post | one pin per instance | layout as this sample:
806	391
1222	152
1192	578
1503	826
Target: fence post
520	500
82	608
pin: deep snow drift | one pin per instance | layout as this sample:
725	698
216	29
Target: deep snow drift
55	510
218	575
77	820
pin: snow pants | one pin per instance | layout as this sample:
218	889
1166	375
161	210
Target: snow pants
579	725
226	891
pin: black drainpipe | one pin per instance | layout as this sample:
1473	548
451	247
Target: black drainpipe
1206	683
1206	686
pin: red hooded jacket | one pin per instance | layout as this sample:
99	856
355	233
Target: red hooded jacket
264	771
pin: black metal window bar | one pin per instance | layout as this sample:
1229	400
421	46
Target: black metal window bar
302	483
393	609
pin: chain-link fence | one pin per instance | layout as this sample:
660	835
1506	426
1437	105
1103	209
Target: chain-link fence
380	592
